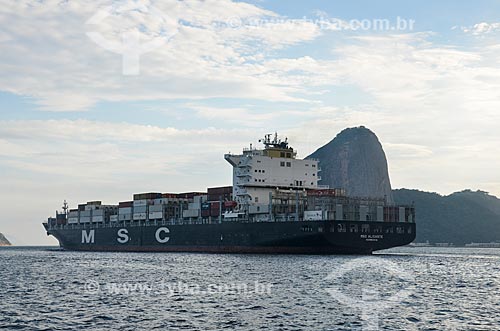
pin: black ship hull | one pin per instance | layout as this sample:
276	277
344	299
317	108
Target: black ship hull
303	237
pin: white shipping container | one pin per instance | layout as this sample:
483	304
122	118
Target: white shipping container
140	209
155	208
113	218
313	215
258	209
140	203
97	219
191	213
126	210
73	214
90	207
200	199
194	205
125	217
157	215
97	212
85	213
139	216
72	220
85	219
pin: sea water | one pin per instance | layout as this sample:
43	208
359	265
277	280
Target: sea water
400	289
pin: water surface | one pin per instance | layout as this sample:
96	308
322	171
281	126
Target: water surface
431	288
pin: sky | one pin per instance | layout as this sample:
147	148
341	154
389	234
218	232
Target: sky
103	99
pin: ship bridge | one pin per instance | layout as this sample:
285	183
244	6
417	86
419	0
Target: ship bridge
259	172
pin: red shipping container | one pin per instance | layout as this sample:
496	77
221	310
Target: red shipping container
230	204
125	204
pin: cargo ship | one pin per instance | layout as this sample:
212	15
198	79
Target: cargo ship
275	205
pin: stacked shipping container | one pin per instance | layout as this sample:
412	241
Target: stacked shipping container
223	193
156	206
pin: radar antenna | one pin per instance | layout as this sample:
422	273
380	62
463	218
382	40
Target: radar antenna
275	142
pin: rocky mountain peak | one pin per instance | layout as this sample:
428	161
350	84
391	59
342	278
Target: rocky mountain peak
4	241
355	160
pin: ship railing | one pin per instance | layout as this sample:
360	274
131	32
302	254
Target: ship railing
281	218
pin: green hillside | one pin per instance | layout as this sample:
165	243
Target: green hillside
459	218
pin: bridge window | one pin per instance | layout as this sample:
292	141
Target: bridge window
282	164
289	164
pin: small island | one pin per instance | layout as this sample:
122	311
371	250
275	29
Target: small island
4	241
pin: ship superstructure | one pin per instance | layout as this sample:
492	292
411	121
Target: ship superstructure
275	205
257	173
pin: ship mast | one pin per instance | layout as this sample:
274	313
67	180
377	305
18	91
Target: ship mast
65	207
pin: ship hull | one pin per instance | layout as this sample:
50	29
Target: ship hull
308	237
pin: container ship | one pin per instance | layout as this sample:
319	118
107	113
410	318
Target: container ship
275	205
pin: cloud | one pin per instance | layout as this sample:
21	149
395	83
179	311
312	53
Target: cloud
51	59
408	150
482	28
83	149
418	91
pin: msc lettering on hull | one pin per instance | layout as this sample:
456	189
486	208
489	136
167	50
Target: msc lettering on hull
88	237
123	236
161	235
159	239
